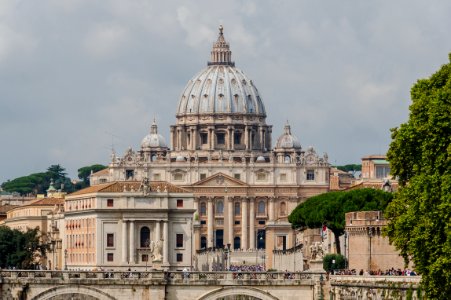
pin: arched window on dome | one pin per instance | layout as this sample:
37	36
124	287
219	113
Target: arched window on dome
261	208
283	209
287	159
220	208
203	209
144	237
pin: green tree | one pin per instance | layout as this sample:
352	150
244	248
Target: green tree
420	156
329	209
350	167
20	249
334	262
85	172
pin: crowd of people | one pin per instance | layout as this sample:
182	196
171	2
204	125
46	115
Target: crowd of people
388	272
247	268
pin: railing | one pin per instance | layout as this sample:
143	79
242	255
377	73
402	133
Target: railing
220	278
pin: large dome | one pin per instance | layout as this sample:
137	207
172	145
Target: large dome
220	88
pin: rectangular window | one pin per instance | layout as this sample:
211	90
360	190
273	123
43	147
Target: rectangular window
203	222
221	138
237	138
110	257
179	203
283	177
220	222
261	176
203	176
129	174
204	138
237	222
156	177
179	240
237	176
261	222
178	176
179	257
110	240
109	202
145	257
310	175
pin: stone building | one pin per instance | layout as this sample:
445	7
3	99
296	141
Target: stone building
222	151
367	248
122	225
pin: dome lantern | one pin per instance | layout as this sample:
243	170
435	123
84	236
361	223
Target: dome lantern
221	54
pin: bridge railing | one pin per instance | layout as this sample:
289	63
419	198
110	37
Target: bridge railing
174	277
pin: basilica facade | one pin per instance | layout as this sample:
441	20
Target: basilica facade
221	151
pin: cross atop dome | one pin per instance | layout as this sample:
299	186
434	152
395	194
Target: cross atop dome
221	54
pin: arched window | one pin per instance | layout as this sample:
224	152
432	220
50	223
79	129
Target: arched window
237	242
237	208
261	209
145	237
203	242
283	209
287	159
219	208
203	209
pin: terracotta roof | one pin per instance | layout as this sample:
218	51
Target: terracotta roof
6	208
129	186
46	202
101	172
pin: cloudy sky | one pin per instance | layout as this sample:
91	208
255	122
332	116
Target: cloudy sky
77	76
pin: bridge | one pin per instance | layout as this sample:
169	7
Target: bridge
58	285
105	285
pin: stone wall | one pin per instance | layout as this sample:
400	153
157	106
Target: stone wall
291	260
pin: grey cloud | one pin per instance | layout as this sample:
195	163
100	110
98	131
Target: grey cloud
75	73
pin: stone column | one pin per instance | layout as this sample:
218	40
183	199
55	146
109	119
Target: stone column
210	222
244	227
157	231
246	137
271	209
124	244
196	206
132	243
165	243
230	216
252	223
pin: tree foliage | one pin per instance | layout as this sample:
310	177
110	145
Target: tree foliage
420	156
20	249
350	167
334	262
329	209
85	172
38	183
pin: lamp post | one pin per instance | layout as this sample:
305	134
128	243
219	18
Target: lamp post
65	259
370	235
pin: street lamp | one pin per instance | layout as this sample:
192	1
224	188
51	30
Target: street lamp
65	259
370	235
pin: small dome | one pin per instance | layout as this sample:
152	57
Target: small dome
180	158
288	140
261	159
153	139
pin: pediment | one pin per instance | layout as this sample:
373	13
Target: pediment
220	179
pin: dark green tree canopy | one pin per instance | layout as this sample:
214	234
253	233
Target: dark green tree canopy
20	249
329	209
350	167
84	172
420	155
